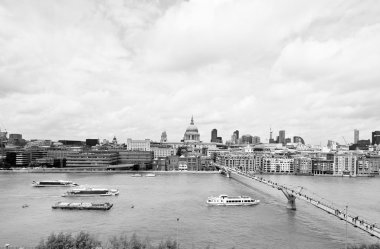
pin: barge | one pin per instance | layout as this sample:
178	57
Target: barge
82	206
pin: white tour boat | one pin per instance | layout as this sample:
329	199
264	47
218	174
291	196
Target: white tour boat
90	192
150	175
54	183
225	200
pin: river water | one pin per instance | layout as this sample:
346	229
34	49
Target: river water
158	202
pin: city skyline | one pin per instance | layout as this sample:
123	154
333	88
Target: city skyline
133	69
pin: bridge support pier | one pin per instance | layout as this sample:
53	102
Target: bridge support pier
291	199
228	173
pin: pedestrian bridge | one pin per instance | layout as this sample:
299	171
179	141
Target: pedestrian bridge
291	194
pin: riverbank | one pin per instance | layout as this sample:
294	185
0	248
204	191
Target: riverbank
97	170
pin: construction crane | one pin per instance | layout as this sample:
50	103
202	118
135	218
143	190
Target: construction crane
345	140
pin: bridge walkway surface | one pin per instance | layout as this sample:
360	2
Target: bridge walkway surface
365	225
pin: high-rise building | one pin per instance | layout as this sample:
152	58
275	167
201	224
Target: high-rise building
375	137
236	133
246	139
164	137
298	139
214	135
356	136
271	140
256	140
281	137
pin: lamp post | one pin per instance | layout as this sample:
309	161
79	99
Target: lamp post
346	228
177	233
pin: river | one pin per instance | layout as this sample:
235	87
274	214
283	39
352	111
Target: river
173	206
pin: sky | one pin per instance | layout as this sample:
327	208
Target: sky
78	69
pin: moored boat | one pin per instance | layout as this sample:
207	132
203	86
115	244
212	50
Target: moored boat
80	192
54	183
136	175
225	200
150	175
82	206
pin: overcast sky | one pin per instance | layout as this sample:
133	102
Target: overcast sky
78	69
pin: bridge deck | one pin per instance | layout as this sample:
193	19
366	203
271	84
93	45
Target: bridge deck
357	222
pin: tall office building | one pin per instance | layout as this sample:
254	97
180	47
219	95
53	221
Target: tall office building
375	137
236	133
164	137
214	135
298	139
356	136
281	137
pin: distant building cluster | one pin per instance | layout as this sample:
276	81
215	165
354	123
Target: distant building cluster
245	152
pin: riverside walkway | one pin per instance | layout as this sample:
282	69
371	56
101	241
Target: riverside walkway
356	221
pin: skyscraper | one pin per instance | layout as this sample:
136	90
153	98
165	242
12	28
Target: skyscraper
164	137
356	136
375	137
281	137
214	135
236	133
298	139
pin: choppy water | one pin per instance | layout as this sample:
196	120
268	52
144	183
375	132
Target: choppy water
159	201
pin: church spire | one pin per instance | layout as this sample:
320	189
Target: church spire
192	120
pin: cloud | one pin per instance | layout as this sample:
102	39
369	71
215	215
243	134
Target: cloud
73	70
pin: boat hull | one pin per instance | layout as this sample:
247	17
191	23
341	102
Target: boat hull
83	206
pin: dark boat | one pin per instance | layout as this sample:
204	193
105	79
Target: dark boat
82	206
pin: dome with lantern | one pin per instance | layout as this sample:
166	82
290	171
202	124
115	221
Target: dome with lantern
191	134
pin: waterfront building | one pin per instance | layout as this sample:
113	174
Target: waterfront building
344	164
138	145
172	163
282	165
242	161
164	137
23	159
322	166
288	140
91	159
303	165
191	134
142	159
376	137
356	136
368	165
159	164
281	137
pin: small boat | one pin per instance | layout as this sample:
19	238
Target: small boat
84	192
82	206
25	206
225	200
136	175
54	183
150	175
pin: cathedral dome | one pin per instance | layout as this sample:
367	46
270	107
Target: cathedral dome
191	134
192	128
